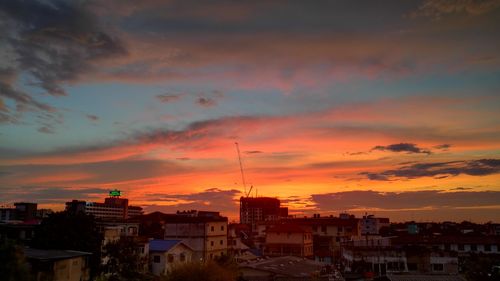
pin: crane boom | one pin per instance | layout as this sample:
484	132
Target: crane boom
241	169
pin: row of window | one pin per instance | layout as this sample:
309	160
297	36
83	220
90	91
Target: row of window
324	229
212	228
472	247
221	242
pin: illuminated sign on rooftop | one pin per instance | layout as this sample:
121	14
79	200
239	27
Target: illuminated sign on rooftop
115	193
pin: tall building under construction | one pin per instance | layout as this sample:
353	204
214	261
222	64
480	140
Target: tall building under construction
256	209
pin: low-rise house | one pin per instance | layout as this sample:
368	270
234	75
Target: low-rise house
58	265
379	257
371	225
374	256
289	240
165	254
204	232
328	232
143	252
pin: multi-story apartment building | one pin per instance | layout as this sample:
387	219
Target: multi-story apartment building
380	257
258	209
21	211
113	207
289	240
464	245
371	225
328	232
204	232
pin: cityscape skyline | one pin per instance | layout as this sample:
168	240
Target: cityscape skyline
385	108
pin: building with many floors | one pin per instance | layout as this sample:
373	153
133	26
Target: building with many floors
204	232
113	207
258	209
328	232
21	211
289	240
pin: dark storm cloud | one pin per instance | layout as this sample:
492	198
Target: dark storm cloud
444	146
90	173
404	200
480	167
439	8
219	17
167	98
23	101
47	194
92	117
196	135
206	102
46	130
402	147
214	199
52	41
253	152
462	188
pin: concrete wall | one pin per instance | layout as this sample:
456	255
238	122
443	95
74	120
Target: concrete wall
216	239
73	269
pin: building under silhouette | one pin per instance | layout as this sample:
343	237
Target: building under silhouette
256	209
113	207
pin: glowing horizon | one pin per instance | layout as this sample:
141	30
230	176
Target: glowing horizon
390	108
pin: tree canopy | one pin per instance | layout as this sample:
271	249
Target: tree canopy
65	231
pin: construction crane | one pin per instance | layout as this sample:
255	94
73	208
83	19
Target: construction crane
247	194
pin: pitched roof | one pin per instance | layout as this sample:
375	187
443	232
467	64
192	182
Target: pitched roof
40	254
163	245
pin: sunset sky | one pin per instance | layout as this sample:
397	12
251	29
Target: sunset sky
385	107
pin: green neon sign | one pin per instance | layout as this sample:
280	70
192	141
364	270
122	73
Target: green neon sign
115	193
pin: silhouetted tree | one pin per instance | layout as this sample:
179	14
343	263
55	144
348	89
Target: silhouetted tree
479	267
13	266
123	260
77	232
